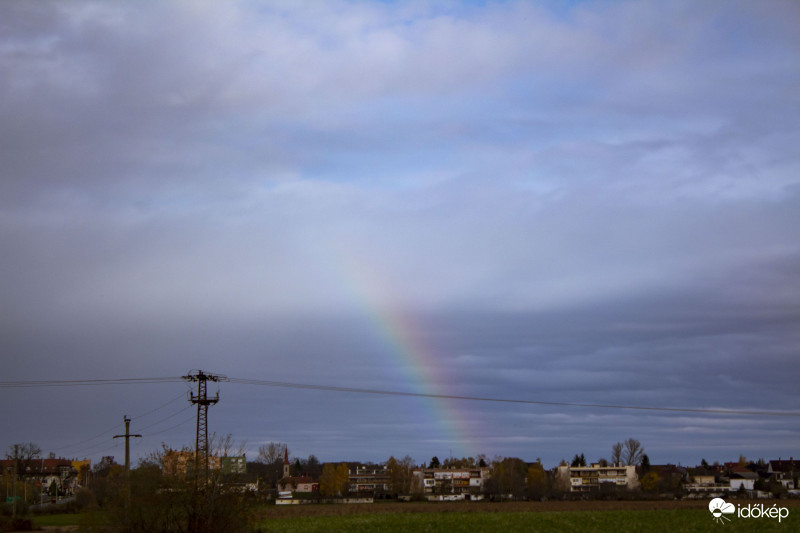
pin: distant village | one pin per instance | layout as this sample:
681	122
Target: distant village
290	481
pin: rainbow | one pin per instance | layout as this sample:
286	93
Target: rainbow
421	374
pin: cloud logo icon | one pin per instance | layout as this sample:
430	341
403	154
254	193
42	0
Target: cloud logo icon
719	508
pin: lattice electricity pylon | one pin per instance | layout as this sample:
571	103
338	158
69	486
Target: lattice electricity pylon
203	401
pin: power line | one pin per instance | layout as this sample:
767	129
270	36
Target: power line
173	415
245	381
175	399
84	382
81	442
79	445
159	432
382	392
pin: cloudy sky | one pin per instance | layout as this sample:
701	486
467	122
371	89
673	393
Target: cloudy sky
575	202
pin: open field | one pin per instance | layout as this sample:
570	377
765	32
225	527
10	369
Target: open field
593	516
57	520
474	517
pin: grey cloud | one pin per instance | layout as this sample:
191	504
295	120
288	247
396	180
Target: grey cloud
595	206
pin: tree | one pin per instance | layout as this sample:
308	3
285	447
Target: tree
225	446
579	460
508	476
24	451
633	452
650	481
343	479
271	455
536	480
400	474
645	463
327	481
434	462
616	454
334	481
312	466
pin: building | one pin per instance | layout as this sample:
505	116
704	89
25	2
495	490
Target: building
449	480
703	482
236	465
55	476
742	479
180	463
177	463
595	477
784	472
289	484
368	479
297	484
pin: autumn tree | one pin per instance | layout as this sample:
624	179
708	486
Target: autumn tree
536	480
650	481
334	481
327	481
400	474
343	479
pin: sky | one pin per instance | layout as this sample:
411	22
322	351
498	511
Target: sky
587	203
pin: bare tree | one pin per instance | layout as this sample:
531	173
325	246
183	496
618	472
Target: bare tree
633	452
24	451
271	453
225	446
616	453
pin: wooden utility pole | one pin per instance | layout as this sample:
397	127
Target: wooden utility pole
127	437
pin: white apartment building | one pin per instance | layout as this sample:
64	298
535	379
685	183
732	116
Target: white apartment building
593	477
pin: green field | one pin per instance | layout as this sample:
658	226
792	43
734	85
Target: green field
616	521
666	521
58	520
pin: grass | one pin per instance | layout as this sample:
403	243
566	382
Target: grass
666	521
57	520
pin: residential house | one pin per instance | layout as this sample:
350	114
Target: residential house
180	463
784	472
465	481
368	479
741	478
56	476
594	477
297	484
703	481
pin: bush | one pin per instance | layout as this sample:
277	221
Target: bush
8	523
157	503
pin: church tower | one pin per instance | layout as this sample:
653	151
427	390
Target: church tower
286	462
